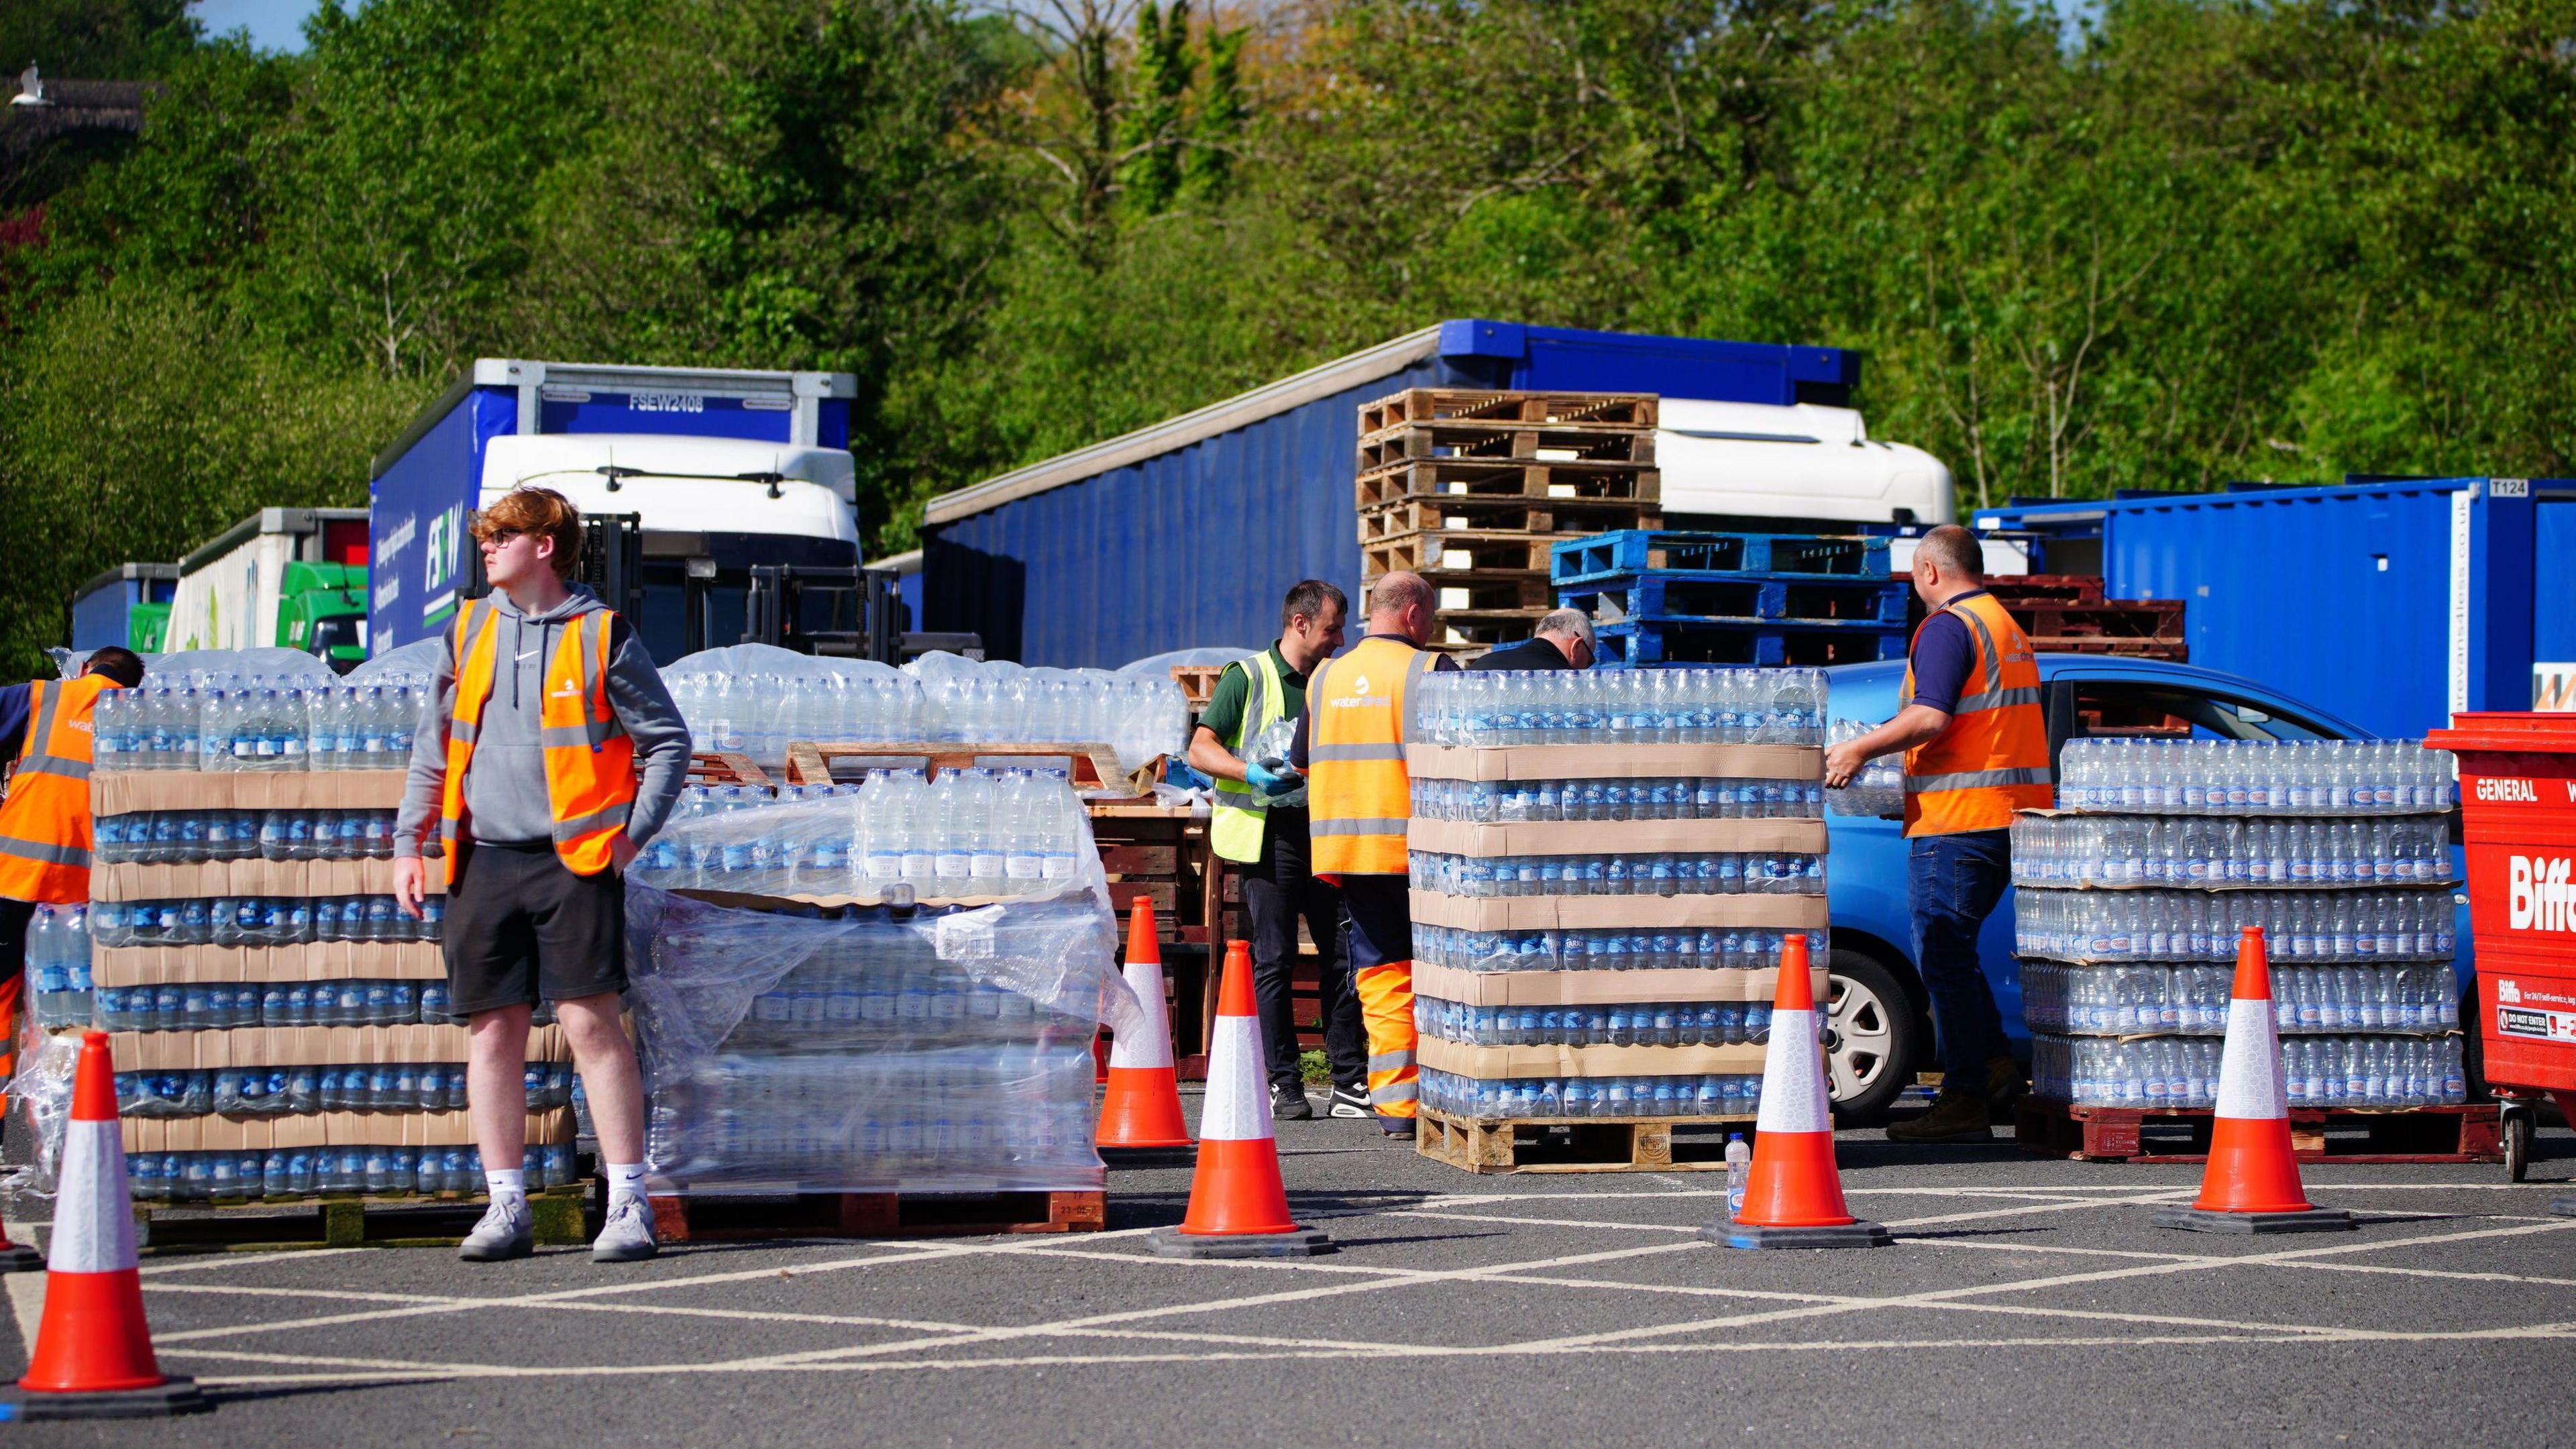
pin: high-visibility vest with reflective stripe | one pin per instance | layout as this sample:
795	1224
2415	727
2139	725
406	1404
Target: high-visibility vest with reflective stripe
1358	797
590	761
1239	812
45	828
1993	758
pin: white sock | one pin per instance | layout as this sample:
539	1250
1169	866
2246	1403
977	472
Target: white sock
506	1183
625	1180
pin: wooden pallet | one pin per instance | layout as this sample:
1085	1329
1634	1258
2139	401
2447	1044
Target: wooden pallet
718	1217
343	1221
1197	682
1550	1144
1457	550
2469	1133
1095	767
1489	589
709	767
1481	629
1558	518
1506	442
2012	589
1442	404
1502	479
2155	619
2173	649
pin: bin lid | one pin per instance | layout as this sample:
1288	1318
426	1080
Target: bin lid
2517	731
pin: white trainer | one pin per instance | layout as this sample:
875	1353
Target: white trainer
507	1230
627	1236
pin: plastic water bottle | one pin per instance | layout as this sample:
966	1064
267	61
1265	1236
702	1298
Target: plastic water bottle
1739	1173
1024	846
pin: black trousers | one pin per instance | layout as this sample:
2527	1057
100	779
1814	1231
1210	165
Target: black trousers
1278	891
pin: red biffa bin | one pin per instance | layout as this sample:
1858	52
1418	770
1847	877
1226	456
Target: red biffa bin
2518	816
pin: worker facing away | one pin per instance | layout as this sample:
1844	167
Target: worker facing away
1976	750
1563	641
547	754
1259	820
45	825
1350	747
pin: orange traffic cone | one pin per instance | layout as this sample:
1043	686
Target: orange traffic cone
93	1351
1794	1198
2251	1184
1238	1205
1140	1113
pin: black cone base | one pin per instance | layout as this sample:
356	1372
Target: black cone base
176	1394
2314	1220
1183	1156
1730	1233
1295	1243
19	1258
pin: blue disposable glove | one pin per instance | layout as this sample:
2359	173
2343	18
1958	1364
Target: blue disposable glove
1268	782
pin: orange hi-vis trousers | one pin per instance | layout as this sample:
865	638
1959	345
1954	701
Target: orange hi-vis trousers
1382	972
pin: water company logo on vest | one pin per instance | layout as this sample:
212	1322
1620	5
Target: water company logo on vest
1357	698
2537	896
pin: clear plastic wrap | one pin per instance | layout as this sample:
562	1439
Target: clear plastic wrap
873	1049
1270	751
413	663
1878	791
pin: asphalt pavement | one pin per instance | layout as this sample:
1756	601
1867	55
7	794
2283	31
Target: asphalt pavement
2025	1301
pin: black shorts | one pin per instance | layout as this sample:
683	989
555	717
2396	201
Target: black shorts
521	926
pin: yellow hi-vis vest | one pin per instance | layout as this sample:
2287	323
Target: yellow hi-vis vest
1993	758
590	760
1239	813
45	826
1358	797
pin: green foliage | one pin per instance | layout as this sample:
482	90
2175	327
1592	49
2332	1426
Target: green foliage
2182	242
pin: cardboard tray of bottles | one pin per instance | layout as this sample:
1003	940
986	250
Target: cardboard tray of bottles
313	962
1592	912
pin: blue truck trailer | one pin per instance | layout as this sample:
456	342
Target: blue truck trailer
2392	603
725	470
127	606
1187	533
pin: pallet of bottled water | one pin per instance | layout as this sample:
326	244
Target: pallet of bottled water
2298	926
2051	849
966	835
2182	1073
279	1174
2176	1000
873	1048
1605	867
756	701
227	722
2255	777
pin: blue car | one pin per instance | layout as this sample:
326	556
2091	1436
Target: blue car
1879	1028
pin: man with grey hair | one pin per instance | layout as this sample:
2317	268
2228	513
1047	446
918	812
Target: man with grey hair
1563	641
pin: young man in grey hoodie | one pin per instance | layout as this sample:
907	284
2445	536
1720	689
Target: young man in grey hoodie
536	902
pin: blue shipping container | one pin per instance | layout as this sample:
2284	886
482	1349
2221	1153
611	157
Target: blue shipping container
99	612
426	483
1187	533
2394	604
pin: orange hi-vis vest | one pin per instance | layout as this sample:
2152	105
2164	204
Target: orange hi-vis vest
45	826
590	760
1993	758
1358	797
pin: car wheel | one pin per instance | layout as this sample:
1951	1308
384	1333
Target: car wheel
1870	1037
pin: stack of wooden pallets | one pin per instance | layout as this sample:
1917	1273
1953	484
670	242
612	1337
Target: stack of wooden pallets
1470	489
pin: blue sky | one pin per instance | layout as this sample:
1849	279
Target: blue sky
273	24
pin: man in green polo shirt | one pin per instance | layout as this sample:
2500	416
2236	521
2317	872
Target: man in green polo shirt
1259	822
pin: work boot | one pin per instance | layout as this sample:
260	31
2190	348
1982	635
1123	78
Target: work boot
2004	1082
1955	1117
1288	1103
507	1230
1350	1101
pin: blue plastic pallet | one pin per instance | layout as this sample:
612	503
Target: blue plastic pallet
1729	596
1775	555
1758	643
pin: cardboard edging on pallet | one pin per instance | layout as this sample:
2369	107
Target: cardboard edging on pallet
126	792
229	965
1598	988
